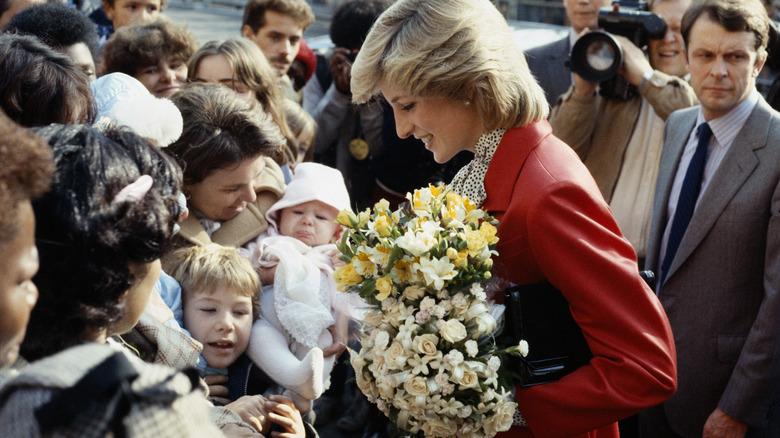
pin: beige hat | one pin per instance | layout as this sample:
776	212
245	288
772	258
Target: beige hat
312	182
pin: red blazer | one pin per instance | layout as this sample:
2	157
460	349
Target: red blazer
556	226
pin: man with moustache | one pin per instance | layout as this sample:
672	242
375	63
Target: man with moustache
620	141
715	235
548	62
277	27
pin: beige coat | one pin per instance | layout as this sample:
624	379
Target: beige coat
248	224
599	129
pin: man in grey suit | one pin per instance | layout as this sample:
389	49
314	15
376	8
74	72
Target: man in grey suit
548	62
715	235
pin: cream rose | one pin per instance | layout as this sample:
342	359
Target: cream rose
502	418
417	386
437	428
469	379
395	355
426	344
453	331
414	292
373	318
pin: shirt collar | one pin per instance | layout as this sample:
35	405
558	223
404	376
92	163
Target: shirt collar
726	127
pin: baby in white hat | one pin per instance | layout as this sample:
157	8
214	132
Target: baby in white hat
295	259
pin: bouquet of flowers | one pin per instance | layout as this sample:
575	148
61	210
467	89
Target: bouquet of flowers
428	358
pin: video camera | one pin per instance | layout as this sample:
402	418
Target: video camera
597	55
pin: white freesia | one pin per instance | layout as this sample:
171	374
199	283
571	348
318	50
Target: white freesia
416	243
436	271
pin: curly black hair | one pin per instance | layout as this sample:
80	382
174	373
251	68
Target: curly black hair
352	20
25	173
57	25
90	247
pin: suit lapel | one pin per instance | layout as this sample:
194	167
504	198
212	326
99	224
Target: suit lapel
674	144
737	165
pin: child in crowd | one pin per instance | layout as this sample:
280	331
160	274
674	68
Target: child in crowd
115	14
155	53
25	174
220	292
303	128
295	259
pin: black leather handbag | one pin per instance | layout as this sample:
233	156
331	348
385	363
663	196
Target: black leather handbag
539	314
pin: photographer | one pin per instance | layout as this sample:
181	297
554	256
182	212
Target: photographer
348	136
620	140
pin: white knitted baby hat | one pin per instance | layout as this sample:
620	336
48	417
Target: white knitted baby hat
312	182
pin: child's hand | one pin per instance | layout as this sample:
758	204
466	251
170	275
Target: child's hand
340	332
283	412
267	274
335	259
251	409
218	390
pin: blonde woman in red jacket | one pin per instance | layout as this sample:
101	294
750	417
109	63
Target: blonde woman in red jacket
456	80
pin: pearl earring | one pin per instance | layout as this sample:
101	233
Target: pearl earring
467	103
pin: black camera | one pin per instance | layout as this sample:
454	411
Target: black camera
597	56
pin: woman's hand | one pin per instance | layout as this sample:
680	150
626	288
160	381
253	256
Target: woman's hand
218	390
283	412
251	409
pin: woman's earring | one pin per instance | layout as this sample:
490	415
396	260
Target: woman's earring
467	103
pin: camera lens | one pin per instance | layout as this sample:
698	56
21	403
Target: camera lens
596	56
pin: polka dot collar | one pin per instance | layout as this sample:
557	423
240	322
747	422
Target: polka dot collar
470	180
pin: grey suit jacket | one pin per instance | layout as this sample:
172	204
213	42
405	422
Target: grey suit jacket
722	291
548	65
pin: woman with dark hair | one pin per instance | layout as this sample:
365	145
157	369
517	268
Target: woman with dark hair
155	53
39	86
456	80
230	177
24	175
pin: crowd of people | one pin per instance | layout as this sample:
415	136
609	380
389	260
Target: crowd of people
168	211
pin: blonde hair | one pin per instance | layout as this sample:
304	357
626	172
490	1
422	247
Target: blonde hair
453	49
204	268
251	68
301	123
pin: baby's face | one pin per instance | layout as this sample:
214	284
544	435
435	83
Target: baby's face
221	321
313	222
